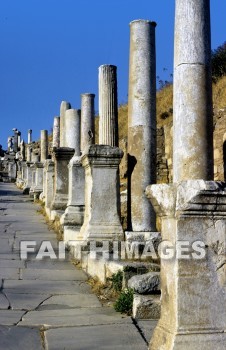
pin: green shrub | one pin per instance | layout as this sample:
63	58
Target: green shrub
124	303
116	280
219	62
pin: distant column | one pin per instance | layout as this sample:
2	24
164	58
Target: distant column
108	106
44	145
142	124
63	107
192	111
15	140
22	150
72	120
29	138
87	120
56	132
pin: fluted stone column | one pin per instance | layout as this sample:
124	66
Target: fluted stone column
73	217
192	111
192	209
29	136
71	119
44	145
63	107
108	105
56	132
141	125
87	120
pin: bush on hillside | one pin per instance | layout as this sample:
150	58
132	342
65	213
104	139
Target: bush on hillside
219	62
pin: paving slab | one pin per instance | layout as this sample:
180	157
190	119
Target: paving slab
50	264
26	301
9	273
10	317
105	337
7	263
18	338
147	328
71	301
55	275
4	304
5	247
73	317
46	287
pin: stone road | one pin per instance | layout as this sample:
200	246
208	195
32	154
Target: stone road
47	304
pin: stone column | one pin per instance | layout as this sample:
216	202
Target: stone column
22	150
73	217
72	118
56	132
15	141
29	137
192	111
63	107
48	185
44	145
87	120
108	105
193	280
102	219
141	125
19	138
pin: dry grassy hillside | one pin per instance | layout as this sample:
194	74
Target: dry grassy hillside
165	106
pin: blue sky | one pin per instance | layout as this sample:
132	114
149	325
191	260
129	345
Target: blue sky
51	51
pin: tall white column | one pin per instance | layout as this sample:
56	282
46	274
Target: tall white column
87	120
108	105
141	125
192	111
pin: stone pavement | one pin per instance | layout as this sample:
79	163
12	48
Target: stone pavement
47	304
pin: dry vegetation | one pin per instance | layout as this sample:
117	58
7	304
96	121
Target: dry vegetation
165	106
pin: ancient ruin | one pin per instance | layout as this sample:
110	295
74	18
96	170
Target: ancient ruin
171	256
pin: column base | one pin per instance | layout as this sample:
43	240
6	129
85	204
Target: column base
209	340
99	232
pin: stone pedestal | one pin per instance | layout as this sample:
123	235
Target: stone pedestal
12	170
38	188
141	125
102	197
33	179
73	217
28	182
48	184
61	158
193	312
87	120
108	105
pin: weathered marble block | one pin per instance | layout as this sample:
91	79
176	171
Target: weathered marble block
73	218
61	158
193	311
102	197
